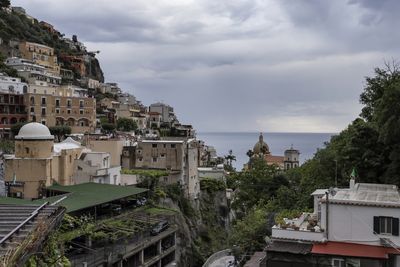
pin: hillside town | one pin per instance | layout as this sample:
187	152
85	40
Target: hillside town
91	176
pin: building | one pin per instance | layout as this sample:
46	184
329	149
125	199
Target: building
216	173
291	158
355	226
112	146
288	161
167	113
12	107
33	73
41	55
96	167
154	120
178	157
77	63
62	106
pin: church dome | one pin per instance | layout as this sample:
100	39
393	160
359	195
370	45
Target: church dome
34	131
261	146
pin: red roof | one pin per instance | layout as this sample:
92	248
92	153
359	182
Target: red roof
353	250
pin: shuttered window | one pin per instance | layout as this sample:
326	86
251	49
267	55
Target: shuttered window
386	225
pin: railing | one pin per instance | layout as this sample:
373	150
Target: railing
33	214
216	256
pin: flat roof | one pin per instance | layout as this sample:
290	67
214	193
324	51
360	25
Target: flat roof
82	196
368	194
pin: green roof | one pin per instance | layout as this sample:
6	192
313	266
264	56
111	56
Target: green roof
82	196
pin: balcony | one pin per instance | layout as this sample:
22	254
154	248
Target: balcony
304	228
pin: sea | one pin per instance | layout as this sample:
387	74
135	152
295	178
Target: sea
241	142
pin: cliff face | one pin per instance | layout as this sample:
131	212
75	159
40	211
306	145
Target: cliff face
204	232
94	71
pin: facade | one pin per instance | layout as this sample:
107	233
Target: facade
288	161
38	162
358	225
291	158
166	112
178	157
62	106
154	120
41	55
33	73
96	167
112	146
12	107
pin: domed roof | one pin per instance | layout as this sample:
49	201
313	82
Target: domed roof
261	146
34	131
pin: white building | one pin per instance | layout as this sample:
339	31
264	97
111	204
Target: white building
96	167
32	72
359	224
12	85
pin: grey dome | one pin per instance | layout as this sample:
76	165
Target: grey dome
34	131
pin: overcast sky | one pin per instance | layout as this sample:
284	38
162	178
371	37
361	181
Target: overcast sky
229	65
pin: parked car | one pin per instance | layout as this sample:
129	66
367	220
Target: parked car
159	227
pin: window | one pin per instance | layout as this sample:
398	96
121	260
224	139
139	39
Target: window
68	111
81	103
32	110
162	155
43	101
154	159
386	225
57	110
173	145
57	102
27	150
69	103
154	145
43	111
338	263
165	145
81	111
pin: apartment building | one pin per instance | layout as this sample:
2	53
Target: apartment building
41	55
179	157
33	73
12	108
62	106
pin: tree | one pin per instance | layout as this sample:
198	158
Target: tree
5	3
126	125
16	127
108	128
229	158
60	131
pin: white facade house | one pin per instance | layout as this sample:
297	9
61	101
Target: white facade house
32	72
12	85
96	167
349	225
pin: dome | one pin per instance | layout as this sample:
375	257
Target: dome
261	146
34	131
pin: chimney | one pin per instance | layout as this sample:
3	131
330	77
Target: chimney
352	183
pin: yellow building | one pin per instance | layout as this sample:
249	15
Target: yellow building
40	54
64	106
38	162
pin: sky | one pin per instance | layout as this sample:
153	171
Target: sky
229	65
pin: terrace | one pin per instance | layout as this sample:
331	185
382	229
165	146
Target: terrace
304	228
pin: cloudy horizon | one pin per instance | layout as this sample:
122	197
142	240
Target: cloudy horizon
229	65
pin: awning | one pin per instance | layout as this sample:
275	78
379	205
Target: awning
353	250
